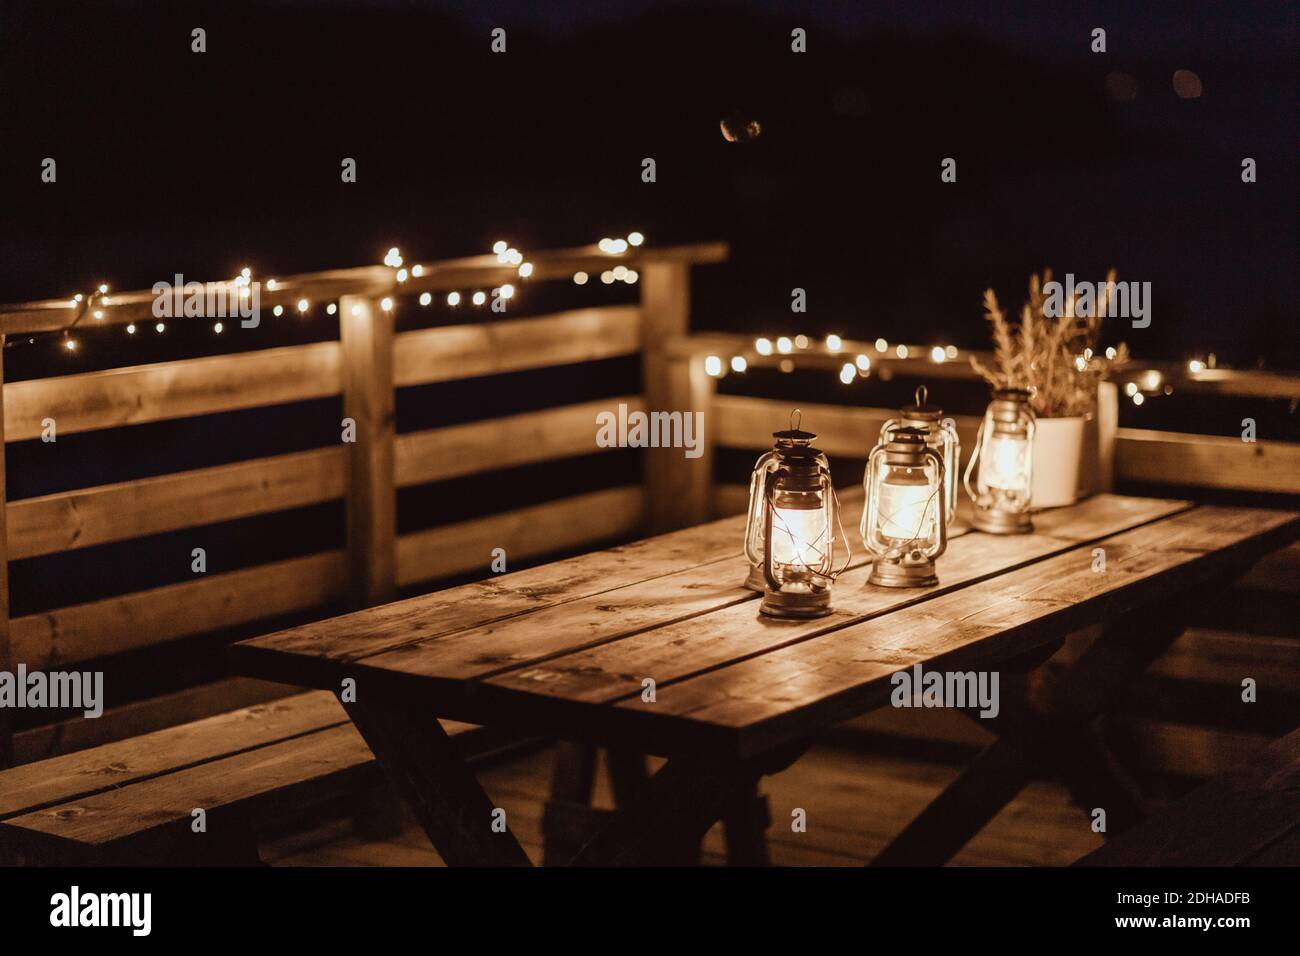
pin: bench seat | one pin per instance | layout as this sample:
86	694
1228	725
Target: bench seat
132	801
1247	817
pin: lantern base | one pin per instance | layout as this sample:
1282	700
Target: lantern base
756	581
1001	522
796	604
896	574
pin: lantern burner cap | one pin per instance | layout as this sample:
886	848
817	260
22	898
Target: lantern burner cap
906	435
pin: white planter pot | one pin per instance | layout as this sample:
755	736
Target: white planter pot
1058	453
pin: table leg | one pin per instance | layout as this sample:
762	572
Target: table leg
437	785
678	806
566	819
1044	729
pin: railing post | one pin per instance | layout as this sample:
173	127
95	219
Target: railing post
6	650
366	335
678	489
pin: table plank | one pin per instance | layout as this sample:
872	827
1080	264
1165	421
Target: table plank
690	600
669	653
308	655
765	700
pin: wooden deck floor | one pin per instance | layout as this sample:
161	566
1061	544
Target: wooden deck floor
854	802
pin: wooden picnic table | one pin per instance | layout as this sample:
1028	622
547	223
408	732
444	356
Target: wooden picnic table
565	650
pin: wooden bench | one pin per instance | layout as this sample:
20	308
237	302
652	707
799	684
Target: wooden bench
1250	817
133	801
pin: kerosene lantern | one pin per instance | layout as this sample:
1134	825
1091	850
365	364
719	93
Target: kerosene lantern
1005	452
793	519
905	518
940	435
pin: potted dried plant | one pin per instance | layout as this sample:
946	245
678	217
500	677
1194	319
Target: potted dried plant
1059	360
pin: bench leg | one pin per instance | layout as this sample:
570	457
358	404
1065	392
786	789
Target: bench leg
438	786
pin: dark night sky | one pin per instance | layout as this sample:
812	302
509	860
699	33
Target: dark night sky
171	161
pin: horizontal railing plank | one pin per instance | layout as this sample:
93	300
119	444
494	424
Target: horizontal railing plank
523	533
453	352
131	509
440	453
1210	461
741	421
915	360
167	390
113	625
470	272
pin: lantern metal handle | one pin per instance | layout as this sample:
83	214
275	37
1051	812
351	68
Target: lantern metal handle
922	393
795	426
970	465
942	494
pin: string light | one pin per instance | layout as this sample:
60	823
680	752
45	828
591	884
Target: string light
607	277
500	246
401	275
937	354
1195	365
331	308
393	259
386	304
525	270
738	363
783	345
479	298
580	278
417	270
801	341
631	277
453	299
130	329
863	362
159	328
507	291
278	310
901	351
848	373
217	328
635	238
763	346
303	305
882	345
833	342
713	366
425	298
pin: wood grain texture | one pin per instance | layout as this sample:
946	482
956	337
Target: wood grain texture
1169	458
89	516
6	649
366	337
765	700
1225	823
78	775
452	352
437	454
180	389
675	651
82	631
229	790
524	533
307	654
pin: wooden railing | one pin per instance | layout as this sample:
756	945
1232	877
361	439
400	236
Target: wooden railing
849	431
366	365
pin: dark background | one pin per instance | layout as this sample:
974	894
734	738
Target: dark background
171	161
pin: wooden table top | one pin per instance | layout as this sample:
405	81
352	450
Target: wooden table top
563	649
